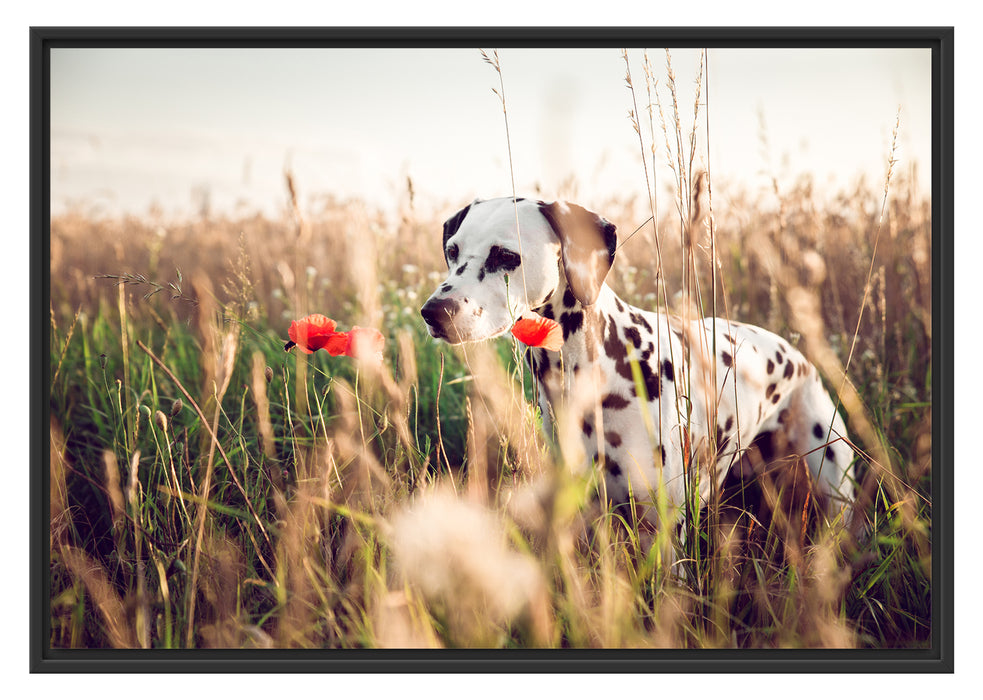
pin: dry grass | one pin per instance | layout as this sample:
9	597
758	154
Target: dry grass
210	490
255	522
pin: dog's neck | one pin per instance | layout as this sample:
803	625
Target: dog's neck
581	324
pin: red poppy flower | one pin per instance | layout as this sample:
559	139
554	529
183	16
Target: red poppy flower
338	344
311	333
316	332
538	332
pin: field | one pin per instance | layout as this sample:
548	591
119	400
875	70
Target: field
211	490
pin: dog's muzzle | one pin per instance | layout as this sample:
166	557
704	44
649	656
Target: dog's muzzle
439	315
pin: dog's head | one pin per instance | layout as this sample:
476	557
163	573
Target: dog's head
493	279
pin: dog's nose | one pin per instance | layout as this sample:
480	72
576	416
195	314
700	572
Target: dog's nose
436	312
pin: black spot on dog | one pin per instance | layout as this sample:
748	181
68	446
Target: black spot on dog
571	321
587	427
651	379
778	357
618	304
613	438
539	361
722	444
668	372
614	402
830	455
461	269
569	300
789	371
818	431
662	451
729	424
726	359
770	367
633	335
547	312
765	442
776	398
615	350
730	339
770	390
613	467
639	320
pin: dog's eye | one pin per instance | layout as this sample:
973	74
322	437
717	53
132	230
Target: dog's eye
452	252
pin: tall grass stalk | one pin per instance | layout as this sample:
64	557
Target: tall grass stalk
495	62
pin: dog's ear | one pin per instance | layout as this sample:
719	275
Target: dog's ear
587	245
453	224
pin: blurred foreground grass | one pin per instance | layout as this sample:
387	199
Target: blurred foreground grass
209	489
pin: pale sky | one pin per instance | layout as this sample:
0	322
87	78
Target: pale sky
135	126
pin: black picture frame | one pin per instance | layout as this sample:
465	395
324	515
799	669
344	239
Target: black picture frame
937	659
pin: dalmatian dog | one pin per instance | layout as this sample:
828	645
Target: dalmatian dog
729	397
